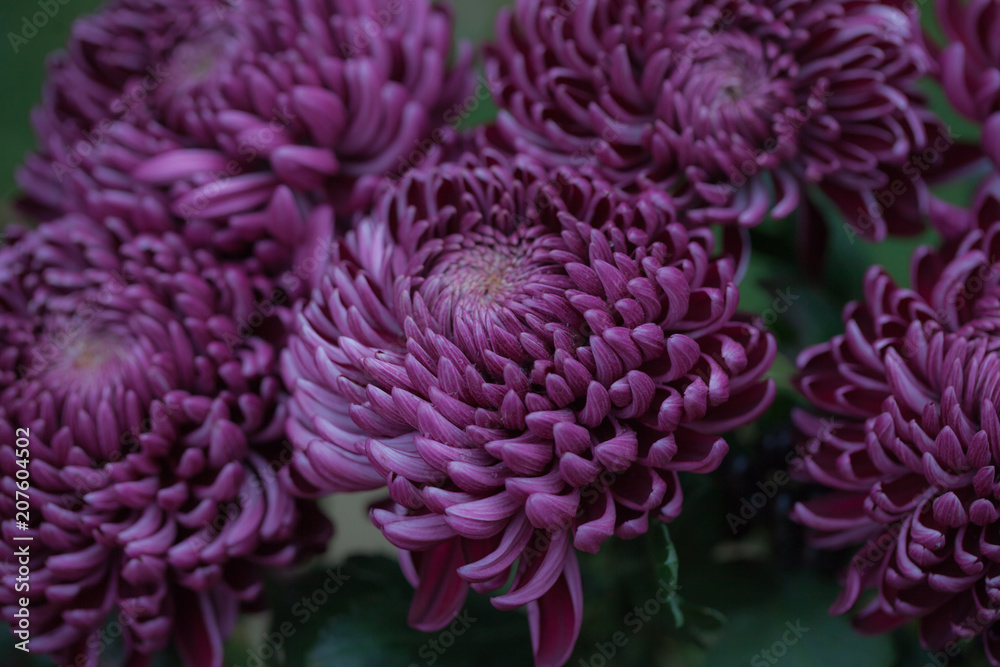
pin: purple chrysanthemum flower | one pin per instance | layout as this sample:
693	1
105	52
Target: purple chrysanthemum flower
527	362
270	228
721	102
228	104
154	423
970	64
910	442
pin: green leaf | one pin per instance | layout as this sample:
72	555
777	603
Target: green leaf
475	111
107	640
795	628
23	69
672	566
12	657
363	624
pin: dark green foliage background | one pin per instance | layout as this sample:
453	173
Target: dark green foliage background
735	593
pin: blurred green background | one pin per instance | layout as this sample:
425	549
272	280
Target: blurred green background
745	579
21	74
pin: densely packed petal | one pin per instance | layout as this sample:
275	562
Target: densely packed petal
232	115
527	362
734	107
970	64
143	379
907	437
273	230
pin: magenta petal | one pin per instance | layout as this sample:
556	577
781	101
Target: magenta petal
597	524
303	167
537	576
556	617
440	591
483	518
176	165
412	532
516	536
196	631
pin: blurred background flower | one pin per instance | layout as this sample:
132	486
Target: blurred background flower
732	583
155	437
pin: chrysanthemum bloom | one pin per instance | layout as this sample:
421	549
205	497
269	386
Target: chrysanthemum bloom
910	442
526	364
719	102
970	64
112	63
286	238
154	427
324	97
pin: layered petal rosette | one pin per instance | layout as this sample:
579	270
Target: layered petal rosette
327	94
271	229
527	362
908	439
970	64
113	61
733	107
154	428
229	103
